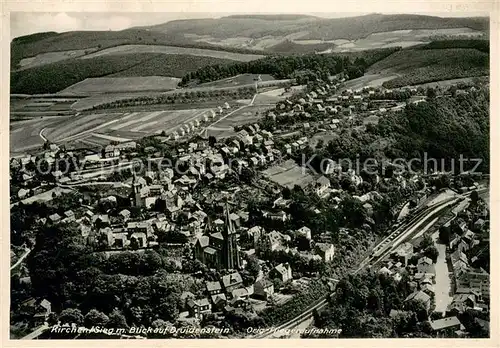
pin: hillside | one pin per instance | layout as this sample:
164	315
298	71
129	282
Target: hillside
33	45
54	77
290	47
314	27
257	34
416	66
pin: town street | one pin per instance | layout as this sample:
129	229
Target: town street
442	288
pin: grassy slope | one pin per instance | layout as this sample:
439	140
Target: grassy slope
313	27
176	65
31	46
172	33
287	47
427	65
54	77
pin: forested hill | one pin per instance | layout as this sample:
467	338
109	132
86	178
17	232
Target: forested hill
444	128
315	28
283	67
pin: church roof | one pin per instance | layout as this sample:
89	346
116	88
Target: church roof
217	235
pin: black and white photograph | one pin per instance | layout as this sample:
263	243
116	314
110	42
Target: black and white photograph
249	175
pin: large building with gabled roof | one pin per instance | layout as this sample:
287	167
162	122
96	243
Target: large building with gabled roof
219	249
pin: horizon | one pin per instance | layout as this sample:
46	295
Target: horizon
28	23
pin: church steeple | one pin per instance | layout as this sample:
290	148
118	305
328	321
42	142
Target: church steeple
231	257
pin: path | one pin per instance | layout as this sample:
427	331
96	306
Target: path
42	136
220	119
36	333
21	259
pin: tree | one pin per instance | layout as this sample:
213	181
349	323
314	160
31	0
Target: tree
71	316
117	320
426	241
444	234
247	278
95	318
212	141
302	243
474	197
432	253
431	93
253	266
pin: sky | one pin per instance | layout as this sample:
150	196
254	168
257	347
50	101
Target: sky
24	23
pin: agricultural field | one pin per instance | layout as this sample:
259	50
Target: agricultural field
95	100
369	80
122	84
289	174
102	128
25	134
48	78
418	66
247	114
41	104
238	80
397	38
131	49
52	57
448	83
98	129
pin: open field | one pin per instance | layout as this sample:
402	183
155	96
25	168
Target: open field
104	128
122	84
48	78
99	99
289	174
448	83
369	80
25	135
225	128
401	38
127	49
418	66
52	57
98	129
30	105
238	80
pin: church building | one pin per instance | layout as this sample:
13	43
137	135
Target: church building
219	249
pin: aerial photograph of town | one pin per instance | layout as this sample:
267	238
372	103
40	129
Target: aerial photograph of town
249	176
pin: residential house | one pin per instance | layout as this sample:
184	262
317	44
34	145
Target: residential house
450	323
232	281
273	241
41	311
325	250
425	265
263	289
476	279
22	193
305	232
235	219
422	297
254	234
283	272
111	151
322	186
69	215
55	218
275	215
479	224
199	308
124	215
